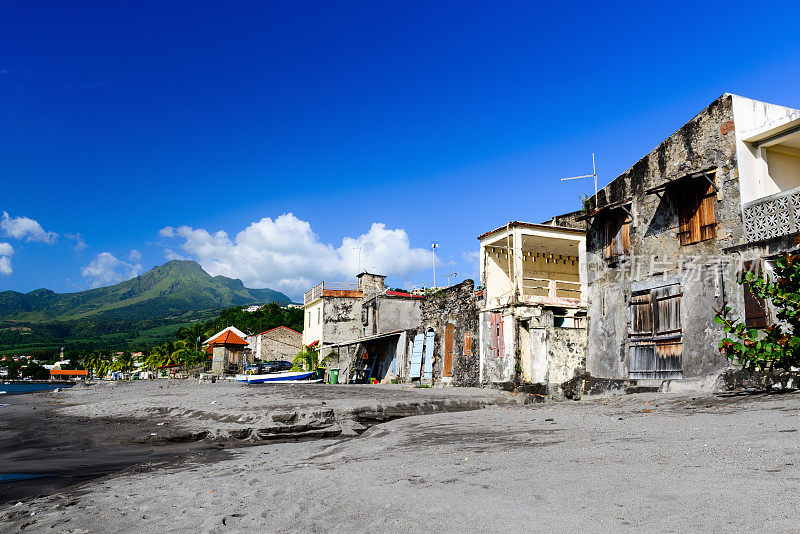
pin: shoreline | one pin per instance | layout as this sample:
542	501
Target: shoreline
43	451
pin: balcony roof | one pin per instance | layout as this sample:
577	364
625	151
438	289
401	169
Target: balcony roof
533	226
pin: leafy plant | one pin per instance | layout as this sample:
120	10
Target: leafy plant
586	202
776	346
307	358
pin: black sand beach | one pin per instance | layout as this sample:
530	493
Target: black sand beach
49	451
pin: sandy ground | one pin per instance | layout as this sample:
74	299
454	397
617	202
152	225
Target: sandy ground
646	462
230	410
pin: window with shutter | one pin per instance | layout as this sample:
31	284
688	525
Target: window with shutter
617	237
447	367
696	212
468	343
655	332
496	325
756	314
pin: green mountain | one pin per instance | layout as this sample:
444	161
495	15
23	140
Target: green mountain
172	294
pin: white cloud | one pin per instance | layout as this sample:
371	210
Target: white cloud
106	269
285	253
6	251
26	228
80	244
135	255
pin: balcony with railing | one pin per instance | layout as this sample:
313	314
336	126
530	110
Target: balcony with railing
772	216
331	289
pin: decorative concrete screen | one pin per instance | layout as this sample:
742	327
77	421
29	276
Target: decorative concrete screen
772	216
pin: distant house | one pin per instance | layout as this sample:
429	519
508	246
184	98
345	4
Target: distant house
229	352
228	329
281	343
253	308
332	314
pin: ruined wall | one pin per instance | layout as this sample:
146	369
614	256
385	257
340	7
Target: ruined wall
500	366
568	220
456	305
656	255
398	313
566	353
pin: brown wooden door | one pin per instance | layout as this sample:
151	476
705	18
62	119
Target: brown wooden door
449	331
656	350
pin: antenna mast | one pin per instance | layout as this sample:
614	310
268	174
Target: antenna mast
593	175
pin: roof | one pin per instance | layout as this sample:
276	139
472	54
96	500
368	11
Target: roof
613	205
368	338
534	226
69	372
312	344
279	327
228	338
403	294
231	328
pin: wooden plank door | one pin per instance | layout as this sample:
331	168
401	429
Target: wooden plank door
449	332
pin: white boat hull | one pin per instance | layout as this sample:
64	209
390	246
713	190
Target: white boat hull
289	376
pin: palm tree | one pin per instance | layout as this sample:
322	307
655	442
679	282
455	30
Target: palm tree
125	362
307	358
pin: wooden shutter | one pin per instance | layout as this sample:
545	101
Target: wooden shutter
696	212
608	239
707	219
625	236
496	326
641	315
427	366
416	356
617	235
667	308
447	368
756	314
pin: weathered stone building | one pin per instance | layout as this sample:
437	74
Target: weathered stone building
666	239
281	343
533	314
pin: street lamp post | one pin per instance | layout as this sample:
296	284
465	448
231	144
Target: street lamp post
434	246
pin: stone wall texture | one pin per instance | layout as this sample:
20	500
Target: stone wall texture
656	255
279	344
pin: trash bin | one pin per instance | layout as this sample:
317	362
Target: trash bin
334	376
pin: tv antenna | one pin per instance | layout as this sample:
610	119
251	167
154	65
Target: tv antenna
449	276
593	175
434	246
359	258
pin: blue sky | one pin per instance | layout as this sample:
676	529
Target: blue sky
138	131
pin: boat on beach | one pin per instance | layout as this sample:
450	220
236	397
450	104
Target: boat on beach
287	376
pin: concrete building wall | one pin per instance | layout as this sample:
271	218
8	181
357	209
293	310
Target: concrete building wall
342	321
312	323
657	258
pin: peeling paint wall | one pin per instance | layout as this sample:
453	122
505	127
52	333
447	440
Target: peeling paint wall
341	321
657	257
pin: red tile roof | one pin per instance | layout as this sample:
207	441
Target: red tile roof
227	338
